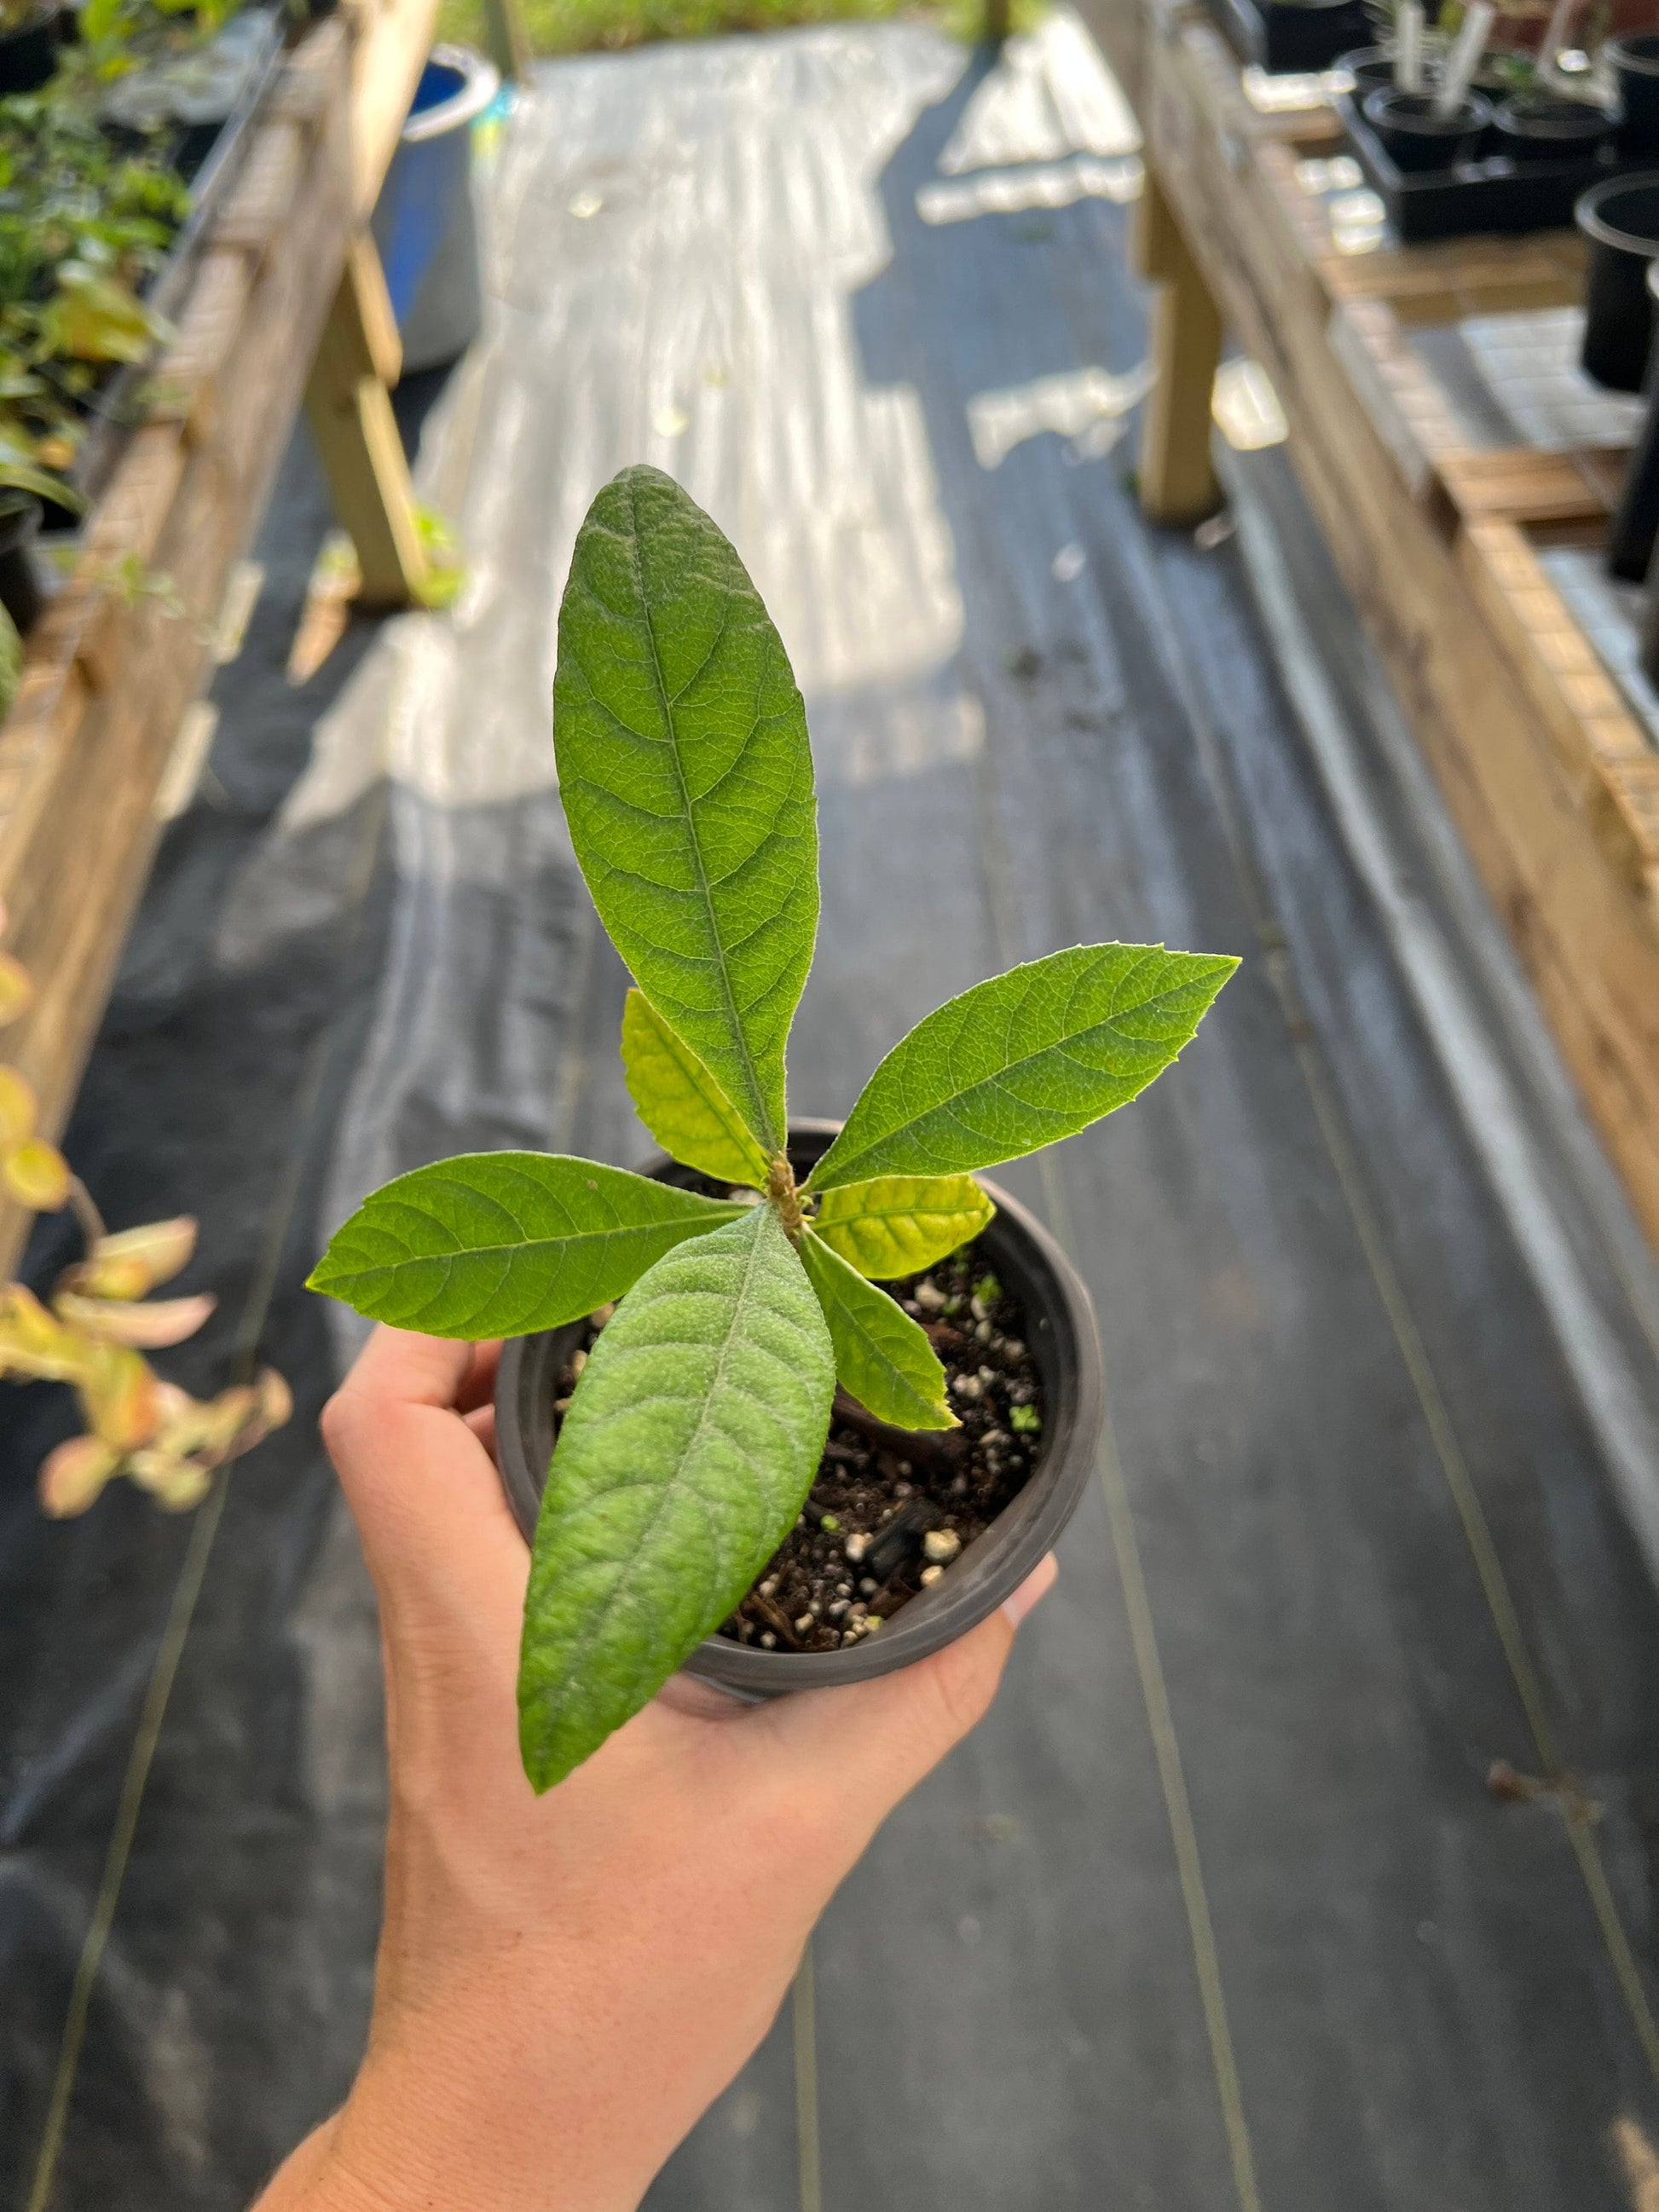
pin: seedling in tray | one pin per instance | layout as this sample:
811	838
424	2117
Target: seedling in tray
695	1429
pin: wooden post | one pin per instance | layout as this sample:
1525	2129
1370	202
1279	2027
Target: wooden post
1178	483
507	37
350	411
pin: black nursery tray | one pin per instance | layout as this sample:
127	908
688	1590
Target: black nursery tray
1285	39
211	171
1492	192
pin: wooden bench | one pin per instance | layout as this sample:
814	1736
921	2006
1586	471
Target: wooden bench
1552	781
286	303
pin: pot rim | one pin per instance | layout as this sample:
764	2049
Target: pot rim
1626	51
1524	112
41	18
998	1560
1358	58
1587	214
480	82
1472	113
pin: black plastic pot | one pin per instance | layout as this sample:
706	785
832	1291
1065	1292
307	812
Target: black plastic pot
1634	60
1620	220
1415	139
20	587
1292	36
1535	127
1372	69
1648	652
1063	1340
28	54
1635	523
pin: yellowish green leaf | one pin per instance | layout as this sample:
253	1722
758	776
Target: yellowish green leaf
176	1485
134	1261
34	1343
71	1478
148	1328
17	1107
680	1103
882	1359
899	1225
37	1175
17	989
120	1396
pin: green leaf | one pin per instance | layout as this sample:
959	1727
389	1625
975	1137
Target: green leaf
687	780
693	1437
681	1103
501	1243
898	1225
883	1359
1029	1056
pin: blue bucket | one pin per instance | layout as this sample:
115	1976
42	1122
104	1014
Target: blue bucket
425	224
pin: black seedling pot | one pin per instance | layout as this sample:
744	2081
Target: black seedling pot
1415	139
20	587
1064	1341
1635	63
1620	220
1534	127
28	54
1372	69
1635	525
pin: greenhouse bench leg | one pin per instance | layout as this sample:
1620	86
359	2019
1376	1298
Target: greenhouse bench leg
349	409
1178	483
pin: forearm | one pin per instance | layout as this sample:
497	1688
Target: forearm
412	2139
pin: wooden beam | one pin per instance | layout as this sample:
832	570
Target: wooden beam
1179	486
507	37
394	38
349	411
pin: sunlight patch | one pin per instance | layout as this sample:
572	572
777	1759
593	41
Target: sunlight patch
1041	184
1081	404
1050	95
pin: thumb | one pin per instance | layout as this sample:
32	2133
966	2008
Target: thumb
883	1736
423	1491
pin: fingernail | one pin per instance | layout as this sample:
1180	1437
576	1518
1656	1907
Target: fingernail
1035	1587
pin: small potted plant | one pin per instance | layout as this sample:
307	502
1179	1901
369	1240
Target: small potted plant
709	1345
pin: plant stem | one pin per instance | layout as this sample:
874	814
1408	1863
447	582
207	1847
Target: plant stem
780	1190
85	1212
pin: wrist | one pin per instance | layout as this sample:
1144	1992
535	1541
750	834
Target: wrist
439	2122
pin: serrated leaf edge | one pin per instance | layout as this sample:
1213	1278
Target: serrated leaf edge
1226	963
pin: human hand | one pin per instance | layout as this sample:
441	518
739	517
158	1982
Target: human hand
566	1982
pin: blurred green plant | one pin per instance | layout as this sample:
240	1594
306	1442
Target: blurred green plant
84	223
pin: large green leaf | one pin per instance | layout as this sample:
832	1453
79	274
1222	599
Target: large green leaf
693	1437
1028	1057
500	1243
687	780
883	1359
898	1225
681	1103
